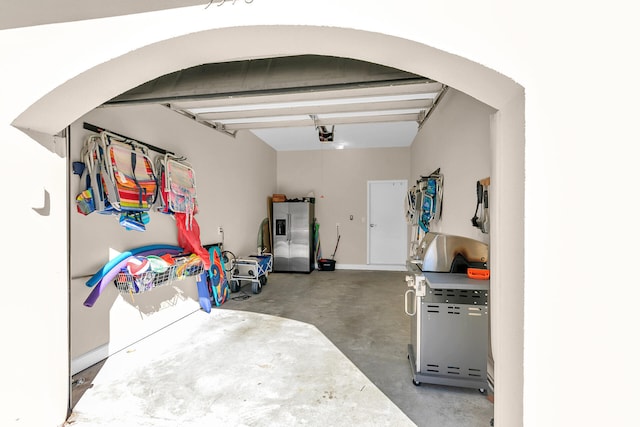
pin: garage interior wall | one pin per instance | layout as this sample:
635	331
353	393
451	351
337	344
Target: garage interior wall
456	139
234	176
338	178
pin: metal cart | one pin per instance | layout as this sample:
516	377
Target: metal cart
254	269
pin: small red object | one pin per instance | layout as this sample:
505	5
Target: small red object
478	273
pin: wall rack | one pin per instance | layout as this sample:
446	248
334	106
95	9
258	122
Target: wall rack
184	267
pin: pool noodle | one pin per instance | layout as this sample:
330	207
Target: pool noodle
108	266
106	279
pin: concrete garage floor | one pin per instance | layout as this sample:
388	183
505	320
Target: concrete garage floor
340	360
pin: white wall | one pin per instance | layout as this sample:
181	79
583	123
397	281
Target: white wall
338	178
580	146
507	260
33	256
230	194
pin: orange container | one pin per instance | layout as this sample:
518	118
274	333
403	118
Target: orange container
478	273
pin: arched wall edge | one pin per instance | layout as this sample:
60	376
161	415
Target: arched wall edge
89	89
80	94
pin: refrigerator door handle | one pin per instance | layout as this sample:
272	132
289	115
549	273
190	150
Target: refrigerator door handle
288	227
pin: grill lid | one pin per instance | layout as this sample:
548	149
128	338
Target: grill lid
448	253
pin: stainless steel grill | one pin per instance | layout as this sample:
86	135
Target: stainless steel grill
449	312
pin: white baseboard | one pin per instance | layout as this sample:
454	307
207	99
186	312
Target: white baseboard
90	358
373	267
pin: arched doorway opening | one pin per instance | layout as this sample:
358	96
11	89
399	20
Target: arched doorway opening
102	82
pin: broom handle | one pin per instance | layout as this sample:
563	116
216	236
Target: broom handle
336	249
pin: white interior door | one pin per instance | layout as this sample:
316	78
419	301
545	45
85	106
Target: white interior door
387	227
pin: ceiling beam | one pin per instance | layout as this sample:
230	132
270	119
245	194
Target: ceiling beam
302	122
421	104
310	95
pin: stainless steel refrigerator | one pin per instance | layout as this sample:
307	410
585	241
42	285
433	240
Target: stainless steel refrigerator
293	225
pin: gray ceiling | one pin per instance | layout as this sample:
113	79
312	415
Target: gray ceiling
289	101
